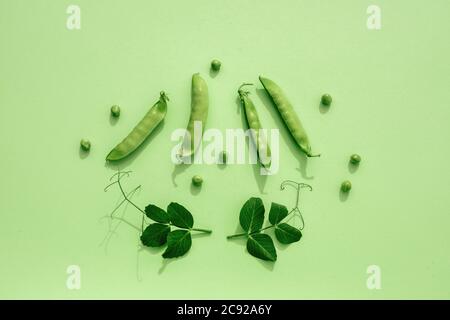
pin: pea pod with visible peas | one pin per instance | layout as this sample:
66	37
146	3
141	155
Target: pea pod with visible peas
199	114
254	124
288	114
142	130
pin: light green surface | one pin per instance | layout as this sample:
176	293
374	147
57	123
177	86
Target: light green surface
391	98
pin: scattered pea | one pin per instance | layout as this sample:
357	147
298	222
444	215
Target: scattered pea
355	158
115	111
326	99
85	144
197	180
223	157
346	186
215	65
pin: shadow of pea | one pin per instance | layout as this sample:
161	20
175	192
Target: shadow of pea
221	166
113	120
82	153
195	190
343	196
353	167
213	73
323	108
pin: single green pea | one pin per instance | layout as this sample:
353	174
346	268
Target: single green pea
197	180
85	145
115	111
346	186
326	99
355	158
216	64
223	156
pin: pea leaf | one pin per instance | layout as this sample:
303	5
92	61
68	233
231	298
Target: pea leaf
287	234
178	243
261	246
156	214
155	235
251	216
180	216
277	213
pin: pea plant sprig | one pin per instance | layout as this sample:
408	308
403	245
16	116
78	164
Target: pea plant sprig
251	219
296	211
161	232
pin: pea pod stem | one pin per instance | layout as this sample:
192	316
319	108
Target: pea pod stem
242	92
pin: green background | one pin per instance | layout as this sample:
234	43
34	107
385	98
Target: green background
391	105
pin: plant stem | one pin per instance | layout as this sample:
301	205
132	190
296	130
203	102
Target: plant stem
126	197
201	230
124	200
268	227
237	235
249	234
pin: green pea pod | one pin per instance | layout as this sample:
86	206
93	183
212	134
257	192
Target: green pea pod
254	124
288	114
142	130
199	114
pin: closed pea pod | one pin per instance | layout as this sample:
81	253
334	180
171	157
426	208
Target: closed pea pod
197	119
288	114
142	130
262	147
